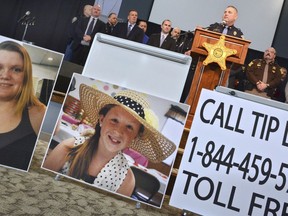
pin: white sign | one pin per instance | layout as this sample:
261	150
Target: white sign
137	66
236	159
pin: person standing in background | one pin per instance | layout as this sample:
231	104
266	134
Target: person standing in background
163	39
143	25
111	23
129	30
175	34
85	32
109	6
264	75
87	10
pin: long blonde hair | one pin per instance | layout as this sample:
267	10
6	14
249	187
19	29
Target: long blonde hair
25	96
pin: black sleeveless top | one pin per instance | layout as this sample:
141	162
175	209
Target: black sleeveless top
16	146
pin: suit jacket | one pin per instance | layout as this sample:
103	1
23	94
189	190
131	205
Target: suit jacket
80	29
169	43
121	29
109	28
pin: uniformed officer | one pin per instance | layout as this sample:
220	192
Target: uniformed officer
264	75
227	25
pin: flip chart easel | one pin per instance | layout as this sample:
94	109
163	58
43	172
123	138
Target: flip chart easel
137	66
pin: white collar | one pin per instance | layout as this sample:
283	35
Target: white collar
165	35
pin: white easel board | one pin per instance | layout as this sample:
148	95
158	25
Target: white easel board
235	160
137	66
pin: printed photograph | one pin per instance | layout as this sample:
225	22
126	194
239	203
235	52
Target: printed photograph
116	139
27	75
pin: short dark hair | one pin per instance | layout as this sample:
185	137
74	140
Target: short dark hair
233	7
111	14
165	21
141	21
132	10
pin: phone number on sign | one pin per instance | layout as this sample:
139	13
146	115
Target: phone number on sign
253	167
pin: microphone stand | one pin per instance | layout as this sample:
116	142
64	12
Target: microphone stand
185	41
28	21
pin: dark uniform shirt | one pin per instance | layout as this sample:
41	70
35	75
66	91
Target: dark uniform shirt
232	30
255	71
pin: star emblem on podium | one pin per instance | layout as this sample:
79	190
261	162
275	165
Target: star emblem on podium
218	53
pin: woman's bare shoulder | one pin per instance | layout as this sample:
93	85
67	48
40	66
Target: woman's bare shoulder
38	110
36	115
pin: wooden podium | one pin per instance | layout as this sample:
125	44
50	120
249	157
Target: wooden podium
212	75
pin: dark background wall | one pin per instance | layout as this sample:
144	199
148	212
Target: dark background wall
280	41
53	19
142	6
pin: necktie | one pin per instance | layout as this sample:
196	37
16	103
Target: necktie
225	30
129	29
90	28
162	40
265	74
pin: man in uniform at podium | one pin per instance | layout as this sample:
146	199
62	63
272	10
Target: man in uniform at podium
227	25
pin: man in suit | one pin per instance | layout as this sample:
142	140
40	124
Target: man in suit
163	39
129	30
143	25
112	21
85	32
87	10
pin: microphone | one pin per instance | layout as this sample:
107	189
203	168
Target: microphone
24	16
185	33
224	22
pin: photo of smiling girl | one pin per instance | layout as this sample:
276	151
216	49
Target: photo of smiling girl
119	122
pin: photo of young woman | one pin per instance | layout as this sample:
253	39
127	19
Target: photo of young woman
21	112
